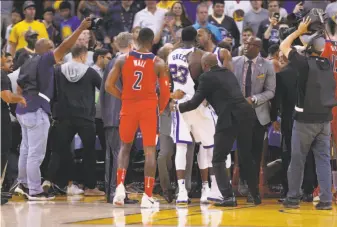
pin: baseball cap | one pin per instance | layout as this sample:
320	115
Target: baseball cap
28	4
30	33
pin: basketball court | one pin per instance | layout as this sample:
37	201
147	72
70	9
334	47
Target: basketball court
94	211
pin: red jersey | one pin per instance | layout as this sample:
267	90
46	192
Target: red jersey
139	77
330	52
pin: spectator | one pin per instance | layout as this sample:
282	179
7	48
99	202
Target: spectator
69	23
101	59
226	24
6	9
322	4
75	111
16	17
237	10
150	17
180	15
119	18
255	16
167	33
53	33
273	56
17	37
246	34
269	29
135	33
23	54
202	22
165	4
34	118
331	9
91	7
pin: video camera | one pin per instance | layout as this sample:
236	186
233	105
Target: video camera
95	21
318	20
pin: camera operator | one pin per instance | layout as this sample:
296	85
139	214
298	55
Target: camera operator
314	102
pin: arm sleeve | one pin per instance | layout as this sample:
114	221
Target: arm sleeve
136	21
43	34
276	101
199	96
12	36
297	60
96	79
164	92
268	87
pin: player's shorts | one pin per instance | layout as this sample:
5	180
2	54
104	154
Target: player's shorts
200	122
139	116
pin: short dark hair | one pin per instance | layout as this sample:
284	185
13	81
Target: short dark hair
49	9
188	34
248	29
65	5
210	33
146	35
99	52
273	49
218	2
78	50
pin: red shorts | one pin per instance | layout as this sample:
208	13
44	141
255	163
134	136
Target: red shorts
139	115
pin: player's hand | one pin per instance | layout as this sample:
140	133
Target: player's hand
86	23
276	126
303	27
23	102
178	94
173	106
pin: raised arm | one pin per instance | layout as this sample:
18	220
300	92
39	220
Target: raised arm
227	59
110	83
66	45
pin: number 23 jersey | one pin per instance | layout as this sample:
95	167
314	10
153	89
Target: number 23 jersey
180	73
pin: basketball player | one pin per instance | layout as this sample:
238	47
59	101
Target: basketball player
206	42
184	65
139	70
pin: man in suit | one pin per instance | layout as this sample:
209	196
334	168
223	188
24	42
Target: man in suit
256	78
235	118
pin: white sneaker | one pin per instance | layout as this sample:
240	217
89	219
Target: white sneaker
204	195
74	190
215	195
46	185
182	198
120	195
149	202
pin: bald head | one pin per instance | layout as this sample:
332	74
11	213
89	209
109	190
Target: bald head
208	60
43	45
252	47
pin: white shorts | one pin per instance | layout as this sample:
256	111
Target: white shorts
199	122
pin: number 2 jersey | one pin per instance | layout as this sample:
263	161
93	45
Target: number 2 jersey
139	80
180	73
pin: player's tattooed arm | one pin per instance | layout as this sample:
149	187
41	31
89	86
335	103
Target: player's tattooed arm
114	74
227	59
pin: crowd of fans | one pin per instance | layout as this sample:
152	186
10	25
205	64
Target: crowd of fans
229	23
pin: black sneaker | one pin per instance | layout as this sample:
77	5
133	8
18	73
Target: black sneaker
291	203
41	197
22	190
324	206
308	198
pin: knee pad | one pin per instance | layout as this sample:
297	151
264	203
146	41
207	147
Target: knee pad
202	158
180	159
210	157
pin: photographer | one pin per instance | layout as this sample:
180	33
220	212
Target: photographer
315	99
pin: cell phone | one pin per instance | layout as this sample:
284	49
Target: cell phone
277	16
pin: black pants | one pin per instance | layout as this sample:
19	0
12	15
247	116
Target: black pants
223	142
63	135
310	178
100	133
6	137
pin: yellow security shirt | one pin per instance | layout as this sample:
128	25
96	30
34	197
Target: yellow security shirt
18	32
165	4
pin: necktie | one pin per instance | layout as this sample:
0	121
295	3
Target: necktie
248	87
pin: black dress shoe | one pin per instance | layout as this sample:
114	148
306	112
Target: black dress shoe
256	200
308	198
227	202
168	196
130	201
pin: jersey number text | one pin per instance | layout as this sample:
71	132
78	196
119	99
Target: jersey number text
179	73
136	85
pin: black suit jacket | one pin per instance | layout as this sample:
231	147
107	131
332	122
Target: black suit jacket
285	97
221	89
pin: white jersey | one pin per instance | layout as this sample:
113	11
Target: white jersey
216	51
180	73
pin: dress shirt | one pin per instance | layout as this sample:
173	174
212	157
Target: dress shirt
145	19
245	69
